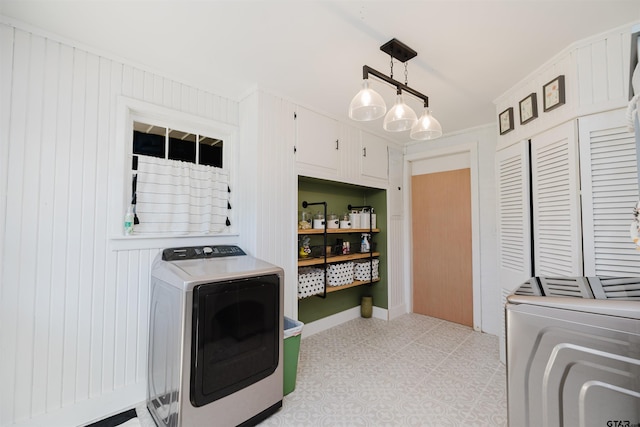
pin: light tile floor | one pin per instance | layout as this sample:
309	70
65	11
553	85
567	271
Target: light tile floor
412	371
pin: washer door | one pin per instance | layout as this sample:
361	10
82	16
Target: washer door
235	336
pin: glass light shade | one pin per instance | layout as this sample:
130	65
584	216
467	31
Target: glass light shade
367	105
427	127
400	117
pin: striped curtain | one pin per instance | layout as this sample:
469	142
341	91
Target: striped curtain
175	197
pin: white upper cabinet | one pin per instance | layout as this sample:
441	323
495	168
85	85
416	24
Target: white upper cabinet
317	142
328	150
374	157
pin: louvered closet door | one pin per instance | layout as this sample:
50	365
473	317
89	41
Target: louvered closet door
610	191
514	223
556	202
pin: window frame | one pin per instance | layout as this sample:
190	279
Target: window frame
167	144
120	167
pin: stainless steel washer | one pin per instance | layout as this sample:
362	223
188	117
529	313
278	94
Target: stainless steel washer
573	352
216	337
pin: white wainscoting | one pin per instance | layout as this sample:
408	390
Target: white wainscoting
396	282
73	309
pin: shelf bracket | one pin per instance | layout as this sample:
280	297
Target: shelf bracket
306	204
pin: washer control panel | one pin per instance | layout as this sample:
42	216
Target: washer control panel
197	252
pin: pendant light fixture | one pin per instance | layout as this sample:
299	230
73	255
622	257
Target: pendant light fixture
400	117
368	105
427	127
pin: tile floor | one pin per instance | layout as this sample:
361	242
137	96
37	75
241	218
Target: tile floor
412	371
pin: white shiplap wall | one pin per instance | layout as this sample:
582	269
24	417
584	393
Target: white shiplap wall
73	310
270	212
596	73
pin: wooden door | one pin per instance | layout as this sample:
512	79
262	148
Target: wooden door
442	258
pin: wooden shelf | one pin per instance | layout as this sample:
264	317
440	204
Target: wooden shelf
337	230
306	262
332	259
351	285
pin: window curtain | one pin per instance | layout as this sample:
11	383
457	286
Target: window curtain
174	197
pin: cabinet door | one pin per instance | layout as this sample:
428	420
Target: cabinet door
374	157
608	165
514	222
396	165
317	142
557	231
514	215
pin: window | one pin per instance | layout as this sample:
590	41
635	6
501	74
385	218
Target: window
165	143
178	184
175	170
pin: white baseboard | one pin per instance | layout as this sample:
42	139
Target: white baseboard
329	322
397	311
92	410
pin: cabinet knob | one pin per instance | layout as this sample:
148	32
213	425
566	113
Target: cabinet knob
364	152
337	144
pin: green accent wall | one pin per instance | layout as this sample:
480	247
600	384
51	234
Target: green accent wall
338	197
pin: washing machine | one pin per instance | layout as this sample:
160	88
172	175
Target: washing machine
573	352
215	339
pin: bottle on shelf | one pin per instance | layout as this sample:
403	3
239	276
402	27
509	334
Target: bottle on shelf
128	221
365	242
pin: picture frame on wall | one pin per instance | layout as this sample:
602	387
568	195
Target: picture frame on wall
528	108
505	120
553	94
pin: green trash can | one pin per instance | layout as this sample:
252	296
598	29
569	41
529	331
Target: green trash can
292	335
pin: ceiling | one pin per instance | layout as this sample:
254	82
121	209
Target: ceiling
312	52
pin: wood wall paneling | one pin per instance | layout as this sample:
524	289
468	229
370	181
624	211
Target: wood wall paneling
77	309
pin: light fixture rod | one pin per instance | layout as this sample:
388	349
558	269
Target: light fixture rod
366	70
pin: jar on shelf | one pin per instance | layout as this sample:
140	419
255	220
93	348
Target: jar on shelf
345	222
332	221
318	220
306	220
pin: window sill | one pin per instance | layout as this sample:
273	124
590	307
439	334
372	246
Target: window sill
161	241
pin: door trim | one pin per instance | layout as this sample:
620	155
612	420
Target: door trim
472	150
